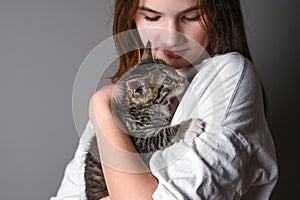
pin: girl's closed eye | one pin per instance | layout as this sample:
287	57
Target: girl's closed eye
152	19
191	18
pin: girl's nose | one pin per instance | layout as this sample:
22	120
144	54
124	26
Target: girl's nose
171	35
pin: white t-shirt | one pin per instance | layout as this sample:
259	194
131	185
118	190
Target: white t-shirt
234	158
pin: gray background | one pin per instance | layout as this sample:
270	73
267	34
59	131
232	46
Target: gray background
43	43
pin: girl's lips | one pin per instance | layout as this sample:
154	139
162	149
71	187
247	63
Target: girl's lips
172	54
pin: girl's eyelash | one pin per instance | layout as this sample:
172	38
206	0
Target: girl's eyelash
192	19
151	19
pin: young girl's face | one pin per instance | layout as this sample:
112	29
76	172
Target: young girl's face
175	28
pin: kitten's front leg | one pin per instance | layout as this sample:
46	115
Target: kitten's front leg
167	136
188	129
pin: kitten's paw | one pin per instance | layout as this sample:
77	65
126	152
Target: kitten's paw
195	128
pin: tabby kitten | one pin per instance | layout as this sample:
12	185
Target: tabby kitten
142	105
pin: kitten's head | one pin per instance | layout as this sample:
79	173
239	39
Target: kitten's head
152	81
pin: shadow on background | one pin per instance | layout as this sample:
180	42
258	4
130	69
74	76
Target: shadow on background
273	30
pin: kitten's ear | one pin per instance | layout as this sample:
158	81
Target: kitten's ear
147	53
135	85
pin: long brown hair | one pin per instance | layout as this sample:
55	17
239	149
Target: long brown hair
223	19
123	21
225	26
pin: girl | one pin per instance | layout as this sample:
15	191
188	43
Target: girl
234	158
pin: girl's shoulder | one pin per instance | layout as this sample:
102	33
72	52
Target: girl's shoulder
228	79
232	65
232	60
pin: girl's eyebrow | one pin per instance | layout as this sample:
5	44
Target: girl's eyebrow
195	7
144	8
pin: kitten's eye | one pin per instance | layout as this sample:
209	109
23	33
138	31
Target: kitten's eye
168	80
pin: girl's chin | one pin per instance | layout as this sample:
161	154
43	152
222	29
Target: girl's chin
179	64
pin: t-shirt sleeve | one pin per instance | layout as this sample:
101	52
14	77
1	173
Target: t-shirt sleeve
72	184
206	169
234	157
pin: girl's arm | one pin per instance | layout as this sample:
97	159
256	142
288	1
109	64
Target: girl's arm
126	175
